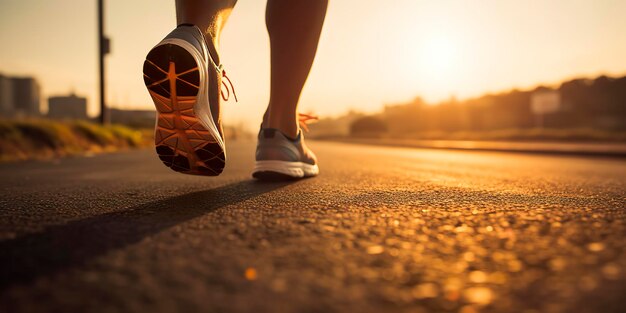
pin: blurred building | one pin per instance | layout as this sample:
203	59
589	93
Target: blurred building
545	101
133	118
67	107
26	96
19	96
6	96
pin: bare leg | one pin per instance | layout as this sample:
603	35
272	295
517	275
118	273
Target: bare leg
210	16
294	29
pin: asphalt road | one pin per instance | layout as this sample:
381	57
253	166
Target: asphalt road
380	230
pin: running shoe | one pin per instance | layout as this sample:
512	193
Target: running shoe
188	136
279	157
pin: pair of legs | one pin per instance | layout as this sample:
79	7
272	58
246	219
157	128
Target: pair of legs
294	27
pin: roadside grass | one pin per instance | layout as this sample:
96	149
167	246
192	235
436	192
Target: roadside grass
41	138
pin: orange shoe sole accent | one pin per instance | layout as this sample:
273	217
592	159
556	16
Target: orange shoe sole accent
182	142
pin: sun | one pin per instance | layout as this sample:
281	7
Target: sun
439	56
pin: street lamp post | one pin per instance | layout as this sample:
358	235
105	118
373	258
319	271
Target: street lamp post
103	49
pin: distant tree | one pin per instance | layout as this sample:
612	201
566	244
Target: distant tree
407	117
368	126
585	103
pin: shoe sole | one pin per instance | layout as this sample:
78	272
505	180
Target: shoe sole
183	143
283	170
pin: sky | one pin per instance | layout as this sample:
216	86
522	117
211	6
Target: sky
369	54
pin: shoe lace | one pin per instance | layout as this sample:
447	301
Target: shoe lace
225	86
303	118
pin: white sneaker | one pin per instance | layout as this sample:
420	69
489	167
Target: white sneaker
188	136
279	157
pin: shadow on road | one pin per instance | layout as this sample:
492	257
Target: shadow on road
59	247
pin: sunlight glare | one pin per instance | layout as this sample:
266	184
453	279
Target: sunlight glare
439	57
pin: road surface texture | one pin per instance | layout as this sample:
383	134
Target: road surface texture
380	230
